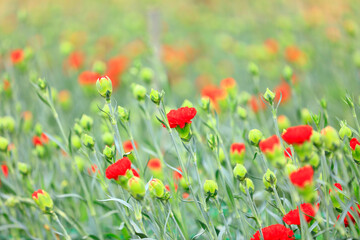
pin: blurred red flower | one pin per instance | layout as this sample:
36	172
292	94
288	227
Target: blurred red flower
17	56
76	60
293	216
128	147
268	145
119	168
88	78
237	147
302	177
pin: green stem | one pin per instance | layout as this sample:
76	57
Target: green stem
278	201
66	235
223	217
117	138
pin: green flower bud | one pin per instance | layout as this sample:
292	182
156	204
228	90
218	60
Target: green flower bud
269	96
12	201
24	168
306	116
269	180
316	139
40	151
240	172
331	138
255	136
66	47
38	129
205	103
211	188
314	161
187	103
86	122
109	152
157	188
75	141
88	141
247	184
323	103
78	129
147	74
221	156
242	113
212	141
99	67
136	188
253	69
108	138
155	96
4	143
42	84
79	163
345	131
124	114
287	73
8	124
139	92
43	200
244	98
104	87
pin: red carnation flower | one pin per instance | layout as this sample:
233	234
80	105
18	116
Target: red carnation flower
36	141
297	134
92	169
283	90
213	93
288	153
177	175
350	216
256	104
274	232
268	145
180	116
115	68
353	143
293	216
128	147
271	45
237	148
5	170
17	56
88	78
118	168
154	164
302	176
228	83
76	60
35	194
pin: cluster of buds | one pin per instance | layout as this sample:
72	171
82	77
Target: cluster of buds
7	124
4	143
128	178
156	97
246	184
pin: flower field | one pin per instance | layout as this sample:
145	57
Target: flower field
180	119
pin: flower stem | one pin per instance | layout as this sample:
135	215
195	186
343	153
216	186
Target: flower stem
66	235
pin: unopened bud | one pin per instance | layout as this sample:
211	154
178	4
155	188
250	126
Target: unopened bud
43	200
88	141
4	143
240	172
269	180
86	122
248	185
155	96
139	92
269	96
136	188
211	188
104	87
255	136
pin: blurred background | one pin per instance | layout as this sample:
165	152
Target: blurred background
188	45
